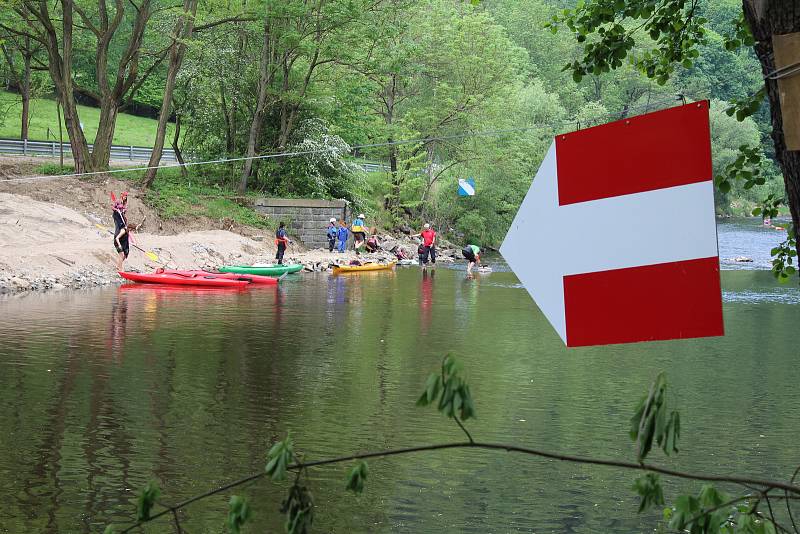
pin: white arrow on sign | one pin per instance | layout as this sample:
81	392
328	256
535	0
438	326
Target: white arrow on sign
547	241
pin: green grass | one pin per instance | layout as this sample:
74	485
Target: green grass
130	130
174	197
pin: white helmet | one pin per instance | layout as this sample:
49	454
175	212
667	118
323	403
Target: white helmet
426	225
333	219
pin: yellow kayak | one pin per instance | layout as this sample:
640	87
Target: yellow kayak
361	268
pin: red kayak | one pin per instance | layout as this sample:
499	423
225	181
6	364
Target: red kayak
252	278
207	280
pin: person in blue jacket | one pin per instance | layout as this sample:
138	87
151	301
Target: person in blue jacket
333	232
342	235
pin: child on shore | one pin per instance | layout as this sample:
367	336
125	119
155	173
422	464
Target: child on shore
342	236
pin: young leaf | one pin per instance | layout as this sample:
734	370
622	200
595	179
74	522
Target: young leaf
147	499
280	456
238	513
356	477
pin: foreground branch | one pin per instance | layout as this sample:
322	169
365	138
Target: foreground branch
789	488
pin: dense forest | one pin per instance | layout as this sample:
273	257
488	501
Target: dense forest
435	90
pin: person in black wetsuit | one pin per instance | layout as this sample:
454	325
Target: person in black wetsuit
121	233
281	241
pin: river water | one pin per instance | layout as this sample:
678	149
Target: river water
103	390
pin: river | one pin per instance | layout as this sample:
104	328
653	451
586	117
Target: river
103	390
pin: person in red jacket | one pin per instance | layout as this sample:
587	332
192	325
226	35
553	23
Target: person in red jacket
428	247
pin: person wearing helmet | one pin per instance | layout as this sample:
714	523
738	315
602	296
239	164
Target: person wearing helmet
359	232
428	246
333	231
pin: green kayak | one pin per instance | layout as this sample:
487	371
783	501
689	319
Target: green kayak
266	270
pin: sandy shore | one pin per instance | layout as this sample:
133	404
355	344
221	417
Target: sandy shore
45	245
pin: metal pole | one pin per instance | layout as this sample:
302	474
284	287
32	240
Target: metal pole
24	147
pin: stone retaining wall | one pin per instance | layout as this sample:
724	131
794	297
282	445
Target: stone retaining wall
306	219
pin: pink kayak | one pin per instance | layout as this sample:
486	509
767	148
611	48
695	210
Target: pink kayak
252	278
207	280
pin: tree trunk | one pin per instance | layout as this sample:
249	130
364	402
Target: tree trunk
177	147
183	31
767	18
25	88
258	117
101	151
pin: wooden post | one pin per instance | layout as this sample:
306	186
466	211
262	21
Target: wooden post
787	56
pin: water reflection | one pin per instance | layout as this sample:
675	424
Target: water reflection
101	391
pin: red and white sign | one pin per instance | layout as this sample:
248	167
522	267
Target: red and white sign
616	239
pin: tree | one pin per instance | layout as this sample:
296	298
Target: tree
182	32
674	30
118	36
15	47
297	38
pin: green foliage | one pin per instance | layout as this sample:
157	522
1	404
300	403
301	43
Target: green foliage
109	530
649	488
783	257
200	195
769	207
147	498
747	168
740	35
652	422
299	509
673	26
238	513
747	106
280	456
451	389
356	477
704	514
54	169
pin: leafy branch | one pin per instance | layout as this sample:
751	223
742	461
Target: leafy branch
710	512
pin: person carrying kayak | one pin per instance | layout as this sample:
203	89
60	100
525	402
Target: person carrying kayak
428	247
342	236
333	231
282	241
121	231
472	253
359	232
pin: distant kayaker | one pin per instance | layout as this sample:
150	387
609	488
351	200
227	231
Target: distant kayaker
282	241
472	253
359	232
121	232
333	231
342	236
428	247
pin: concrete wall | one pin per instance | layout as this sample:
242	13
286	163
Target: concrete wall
306	219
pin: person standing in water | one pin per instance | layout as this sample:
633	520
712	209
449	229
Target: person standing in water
121	231
333	232
472	253
428	248
282	241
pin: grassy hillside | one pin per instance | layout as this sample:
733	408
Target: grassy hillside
130	130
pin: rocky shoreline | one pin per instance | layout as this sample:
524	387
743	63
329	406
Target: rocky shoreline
207	258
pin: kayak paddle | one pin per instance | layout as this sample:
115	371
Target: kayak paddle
150	254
